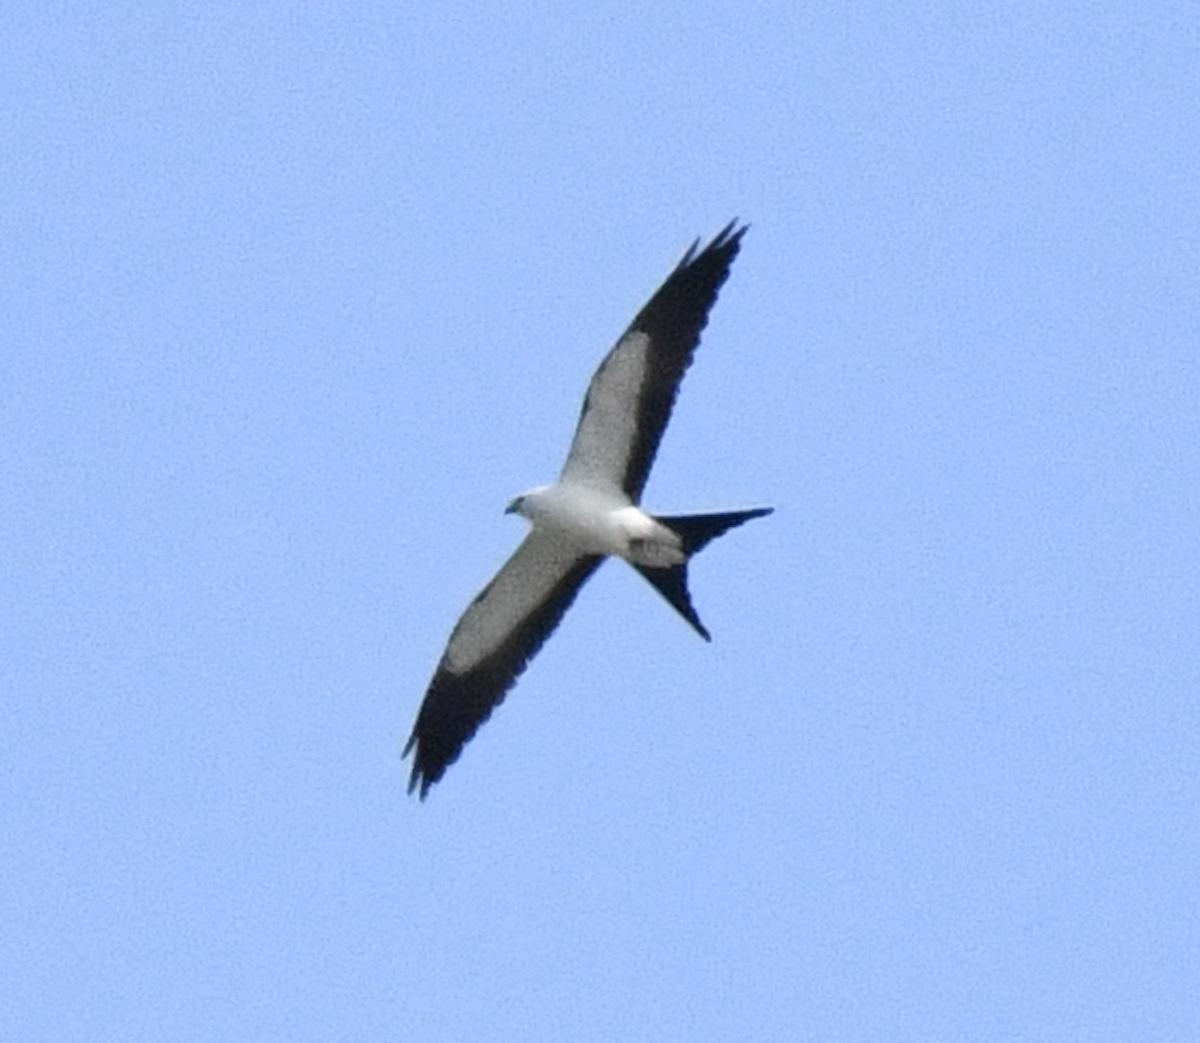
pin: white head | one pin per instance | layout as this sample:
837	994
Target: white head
527	504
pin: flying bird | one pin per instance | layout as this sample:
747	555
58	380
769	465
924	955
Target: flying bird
590	513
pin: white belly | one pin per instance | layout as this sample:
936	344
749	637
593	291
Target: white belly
604	523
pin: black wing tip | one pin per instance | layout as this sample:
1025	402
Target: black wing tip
731	233
427	770
424	782
431	758
728	239
422	774
431	751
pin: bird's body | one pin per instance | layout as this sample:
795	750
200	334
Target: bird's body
592	512
599	521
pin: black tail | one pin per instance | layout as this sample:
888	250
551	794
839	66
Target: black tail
696	531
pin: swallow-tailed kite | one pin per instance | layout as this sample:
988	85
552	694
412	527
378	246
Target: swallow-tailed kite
590	513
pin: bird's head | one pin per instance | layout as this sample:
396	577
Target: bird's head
527	504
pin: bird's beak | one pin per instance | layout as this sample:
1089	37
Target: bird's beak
512	507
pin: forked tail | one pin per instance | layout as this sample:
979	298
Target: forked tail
696	531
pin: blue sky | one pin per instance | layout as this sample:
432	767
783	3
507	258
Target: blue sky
296	298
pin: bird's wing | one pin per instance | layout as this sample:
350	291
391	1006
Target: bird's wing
499	633
629	399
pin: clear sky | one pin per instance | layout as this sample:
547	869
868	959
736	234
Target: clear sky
295	298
